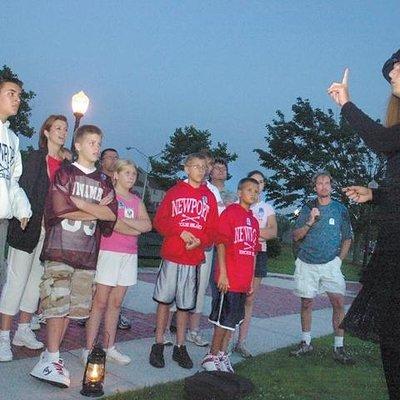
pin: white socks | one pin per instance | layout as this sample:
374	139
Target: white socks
52	357
5	335
22	327
306	337
338	342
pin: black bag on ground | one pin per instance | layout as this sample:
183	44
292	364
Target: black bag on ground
216	385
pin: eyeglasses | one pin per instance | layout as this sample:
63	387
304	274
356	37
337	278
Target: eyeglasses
260	181
198	167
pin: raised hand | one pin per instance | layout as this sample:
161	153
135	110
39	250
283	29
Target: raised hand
339	92
359	194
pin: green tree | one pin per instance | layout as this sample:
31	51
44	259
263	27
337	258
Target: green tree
313	140
20	122
168	169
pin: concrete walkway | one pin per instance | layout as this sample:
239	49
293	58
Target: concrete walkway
276	324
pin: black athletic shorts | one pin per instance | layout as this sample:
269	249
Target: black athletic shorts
261	265
227	310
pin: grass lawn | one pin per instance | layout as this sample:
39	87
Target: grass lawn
284	264
316	377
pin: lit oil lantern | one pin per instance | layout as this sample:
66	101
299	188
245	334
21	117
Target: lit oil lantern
93	378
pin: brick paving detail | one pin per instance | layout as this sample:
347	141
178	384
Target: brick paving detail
271	301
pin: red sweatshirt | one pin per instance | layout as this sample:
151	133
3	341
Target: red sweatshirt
185	208
239	231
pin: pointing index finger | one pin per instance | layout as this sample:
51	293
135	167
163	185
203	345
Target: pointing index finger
345	80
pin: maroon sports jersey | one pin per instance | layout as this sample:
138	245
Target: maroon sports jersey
75	243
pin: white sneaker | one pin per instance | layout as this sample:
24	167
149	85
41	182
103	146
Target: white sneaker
84	356
225	362
26	337
36	320
5	350
54	373
195	337
211	363
113	355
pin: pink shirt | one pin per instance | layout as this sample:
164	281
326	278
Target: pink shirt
119	242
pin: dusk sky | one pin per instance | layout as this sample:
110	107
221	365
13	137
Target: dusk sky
226	66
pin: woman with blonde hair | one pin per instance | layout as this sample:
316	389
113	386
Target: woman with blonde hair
375	313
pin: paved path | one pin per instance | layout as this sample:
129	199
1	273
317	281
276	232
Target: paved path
275	324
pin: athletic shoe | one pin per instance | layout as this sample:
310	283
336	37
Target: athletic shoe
66	372
5	350
54	373
26	337
195	337
225	362
156	358
181	356
168	339
36	320
212	363
340	355
113	355
241	349
303	349
123	323
84	356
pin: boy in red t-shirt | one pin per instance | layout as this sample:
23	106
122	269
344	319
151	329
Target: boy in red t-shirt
186	218
237	244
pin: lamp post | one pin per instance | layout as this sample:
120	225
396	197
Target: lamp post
148	166
80	104
371	185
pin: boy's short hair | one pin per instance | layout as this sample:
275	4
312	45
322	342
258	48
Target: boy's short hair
84	130
192	156
122	163
243	181
10	79
256	171
207	154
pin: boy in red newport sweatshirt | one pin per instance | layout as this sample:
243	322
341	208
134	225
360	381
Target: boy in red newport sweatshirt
237	245
186	218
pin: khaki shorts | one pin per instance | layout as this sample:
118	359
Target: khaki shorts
66	291
313	279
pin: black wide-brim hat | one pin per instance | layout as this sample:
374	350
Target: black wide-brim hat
388	66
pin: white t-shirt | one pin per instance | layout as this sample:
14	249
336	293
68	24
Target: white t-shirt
262	211
218	198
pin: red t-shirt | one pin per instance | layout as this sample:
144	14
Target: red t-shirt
53	165
239	231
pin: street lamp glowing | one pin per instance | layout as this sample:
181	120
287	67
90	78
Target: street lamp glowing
80	103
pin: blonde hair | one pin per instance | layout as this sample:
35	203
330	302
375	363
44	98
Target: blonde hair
120	164
393	111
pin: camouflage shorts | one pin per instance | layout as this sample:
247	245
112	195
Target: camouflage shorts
66	291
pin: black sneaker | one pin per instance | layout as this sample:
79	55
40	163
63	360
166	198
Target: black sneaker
302	350
181	356
340	355
123	323
156	358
